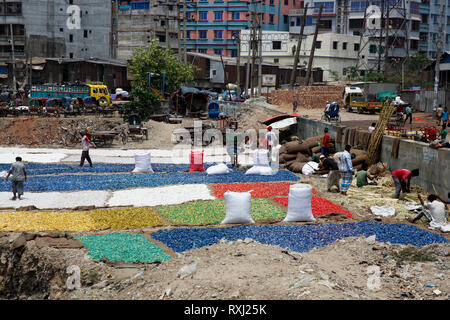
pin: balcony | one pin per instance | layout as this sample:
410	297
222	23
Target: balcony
424	27
296	12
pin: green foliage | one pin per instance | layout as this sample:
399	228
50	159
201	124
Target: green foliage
334	74
412	71
158	60
375	77
352	73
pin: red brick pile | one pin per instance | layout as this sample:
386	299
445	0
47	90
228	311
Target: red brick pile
308	97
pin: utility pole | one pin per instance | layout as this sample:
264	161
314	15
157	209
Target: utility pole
386	41
381	37
437	68
313	47
166	24
299	44
13	57
238	62
254	48
247	76
184	33
260	22
179	31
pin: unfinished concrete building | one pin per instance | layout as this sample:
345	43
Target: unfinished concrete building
52	28
141	21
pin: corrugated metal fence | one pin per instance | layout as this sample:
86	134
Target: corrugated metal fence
423	100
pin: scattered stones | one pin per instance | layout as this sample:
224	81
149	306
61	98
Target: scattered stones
19	242
187	271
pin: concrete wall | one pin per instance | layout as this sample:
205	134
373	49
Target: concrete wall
434	165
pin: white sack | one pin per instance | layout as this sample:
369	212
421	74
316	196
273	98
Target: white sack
260	170
309	167
384	211
143	162
238	207
261	157
299	203
220	168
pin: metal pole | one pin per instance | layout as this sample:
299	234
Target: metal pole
313	47
167	27
438	56
381	37
297	50
386	40
260	50
13	58
238	65
179	31
184	33
247	76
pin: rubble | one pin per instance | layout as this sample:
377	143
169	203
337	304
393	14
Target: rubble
308	97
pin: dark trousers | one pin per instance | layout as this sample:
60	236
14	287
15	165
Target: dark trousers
408	115
85	155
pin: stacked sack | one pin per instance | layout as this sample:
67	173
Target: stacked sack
295	155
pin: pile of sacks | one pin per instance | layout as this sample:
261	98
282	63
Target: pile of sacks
295	155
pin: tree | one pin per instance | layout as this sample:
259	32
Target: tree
156	60
334	74
352	73
375	77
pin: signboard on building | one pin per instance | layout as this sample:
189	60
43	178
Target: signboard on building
269	80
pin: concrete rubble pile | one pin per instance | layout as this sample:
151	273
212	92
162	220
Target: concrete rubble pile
308	97
294	154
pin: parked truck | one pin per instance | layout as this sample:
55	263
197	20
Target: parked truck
355	99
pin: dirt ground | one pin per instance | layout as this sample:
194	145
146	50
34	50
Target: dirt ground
351	268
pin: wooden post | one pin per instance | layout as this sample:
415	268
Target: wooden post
297	50
313	47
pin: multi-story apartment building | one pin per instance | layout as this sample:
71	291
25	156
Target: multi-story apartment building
333	53
429	26
343	16
211	24
141	21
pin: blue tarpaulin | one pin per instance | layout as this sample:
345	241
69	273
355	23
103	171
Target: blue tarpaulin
185	90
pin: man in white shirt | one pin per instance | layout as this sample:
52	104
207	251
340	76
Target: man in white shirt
372	127
85	144
436	213
271	139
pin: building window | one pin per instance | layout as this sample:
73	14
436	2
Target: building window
328	7
325	24
276	45
299	21
415	25
276	60
424	18
203	15
218	51
71	55
218	15
286	2
70	37
318	44
61	29
344	71
356	46
355	23
344	45
236	15
201	50
271	2
358	6
162	38
335	45
202	34
285	19
188	34
308	21
414	44
234	53
270	18
218	34
415	8
85	34
373	48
